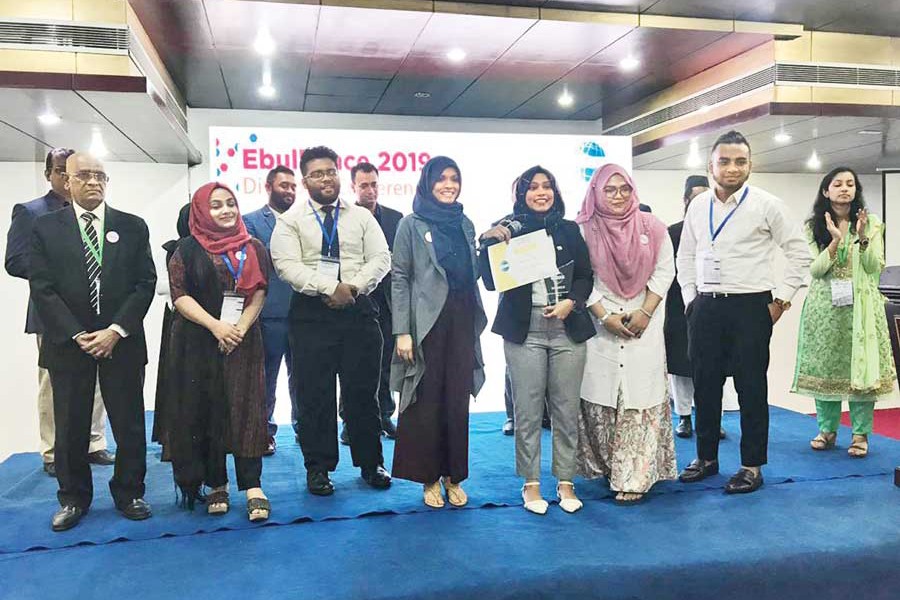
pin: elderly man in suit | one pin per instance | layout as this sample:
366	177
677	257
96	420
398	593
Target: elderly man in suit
18	249
282	190
92	282
364	179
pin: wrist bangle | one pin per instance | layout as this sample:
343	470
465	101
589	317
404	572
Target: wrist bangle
648	315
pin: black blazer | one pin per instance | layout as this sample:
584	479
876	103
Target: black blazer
514	310
18	245
388	219
675	325
60	290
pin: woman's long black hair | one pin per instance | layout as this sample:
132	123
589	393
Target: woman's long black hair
821	205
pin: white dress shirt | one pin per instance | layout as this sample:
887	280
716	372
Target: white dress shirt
745	246
636	365
296	248
99	221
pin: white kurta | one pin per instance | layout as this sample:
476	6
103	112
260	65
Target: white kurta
637	365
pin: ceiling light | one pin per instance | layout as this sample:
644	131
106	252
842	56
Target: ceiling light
422	94
869	132
782	138
49	118
267	90
565	99
814	164
694	160
264	43
629	63
97	148
456	55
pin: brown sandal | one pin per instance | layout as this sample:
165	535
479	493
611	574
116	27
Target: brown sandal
455	493
823	441
217	503
860	446
432	495
258	509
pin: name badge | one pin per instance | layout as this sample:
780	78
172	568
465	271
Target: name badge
841	292
329	267
712	269
232	308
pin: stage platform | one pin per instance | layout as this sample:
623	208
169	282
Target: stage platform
824	526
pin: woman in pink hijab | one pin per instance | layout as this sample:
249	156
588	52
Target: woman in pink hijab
625	424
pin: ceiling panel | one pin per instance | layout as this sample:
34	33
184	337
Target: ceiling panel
15	146
244	75
235	24
347	104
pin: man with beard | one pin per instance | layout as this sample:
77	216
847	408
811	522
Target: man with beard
333	254
729	239
282	189
364	179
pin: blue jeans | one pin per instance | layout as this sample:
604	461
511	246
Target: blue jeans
277	346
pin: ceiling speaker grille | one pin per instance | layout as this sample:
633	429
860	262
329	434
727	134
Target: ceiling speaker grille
64	37
837	75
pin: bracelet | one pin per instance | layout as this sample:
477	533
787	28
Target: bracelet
604	318
648	315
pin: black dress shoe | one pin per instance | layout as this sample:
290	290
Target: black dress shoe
390	430
270	447
744	482
319	483
136	510
377	477
345	435
101	457
685	428
722	434
50	469
509	428
67	517
698	470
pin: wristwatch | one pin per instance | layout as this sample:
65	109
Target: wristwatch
605	317
781	303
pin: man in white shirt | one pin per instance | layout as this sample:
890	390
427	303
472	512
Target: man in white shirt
724	264
333	254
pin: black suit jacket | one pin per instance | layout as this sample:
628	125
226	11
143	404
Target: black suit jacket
675	326
60	290
514	309
18	245
388	219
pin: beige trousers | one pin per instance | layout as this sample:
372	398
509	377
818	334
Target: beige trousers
47	424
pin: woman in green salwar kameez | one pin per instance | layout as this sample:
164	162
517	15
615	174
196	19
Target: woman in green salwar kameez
844	349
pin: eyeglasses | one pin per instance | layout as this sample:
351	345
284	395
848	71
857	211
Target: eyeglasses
320	175
88	176
624	191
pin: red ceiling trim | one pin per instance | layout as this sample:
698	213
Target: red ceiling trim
71	81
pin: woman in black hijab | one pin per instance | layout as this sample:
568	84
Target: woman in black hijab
437	320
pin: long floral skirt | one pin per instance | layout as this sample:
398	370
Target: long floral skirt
632	448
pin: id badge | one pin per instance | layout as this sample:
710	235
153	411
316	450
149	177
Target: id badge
232	307
712	269
329	267
841	292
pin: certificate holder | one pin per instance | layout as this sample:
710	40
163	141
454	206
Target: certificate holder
523	260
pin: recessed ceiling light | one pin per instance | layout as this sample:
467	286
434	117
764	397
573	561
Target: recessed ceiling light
264	43
814	164
456	55
782	138
267	90
49	118
629	63
422	94
565	99
869	132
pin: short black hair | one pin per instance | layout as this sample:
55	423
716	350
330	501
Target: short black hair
694	181
270	178
316	152
732	137
63	152
364	167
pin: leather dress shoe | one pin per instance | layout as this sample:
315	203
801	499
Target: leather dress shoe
377	477
50	468
270	447
390	430
685	428
744	482
698	470
319	484
509	428
102	457
345	435
67	517
136	510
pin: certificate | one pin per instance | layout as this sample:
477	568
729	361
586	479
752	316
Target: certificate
522	260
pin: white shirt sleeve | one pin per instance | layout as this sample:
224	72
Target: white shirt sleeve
286	248
789	236
661	279
687	260
376	257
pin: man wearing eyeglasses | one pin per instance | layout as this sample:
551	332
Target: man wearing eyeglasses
18	248
333	253
92	281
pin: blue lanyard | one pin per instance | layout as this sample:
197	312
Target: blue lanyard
242	256
714	235
329	238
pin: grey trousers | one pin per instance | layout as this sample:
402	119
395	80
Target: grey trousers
548	365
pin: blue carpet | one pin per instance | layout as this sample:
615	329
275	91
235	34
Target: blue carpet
29	498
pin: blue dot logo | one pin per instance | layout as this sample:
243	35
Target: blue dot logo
253	137
592	149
